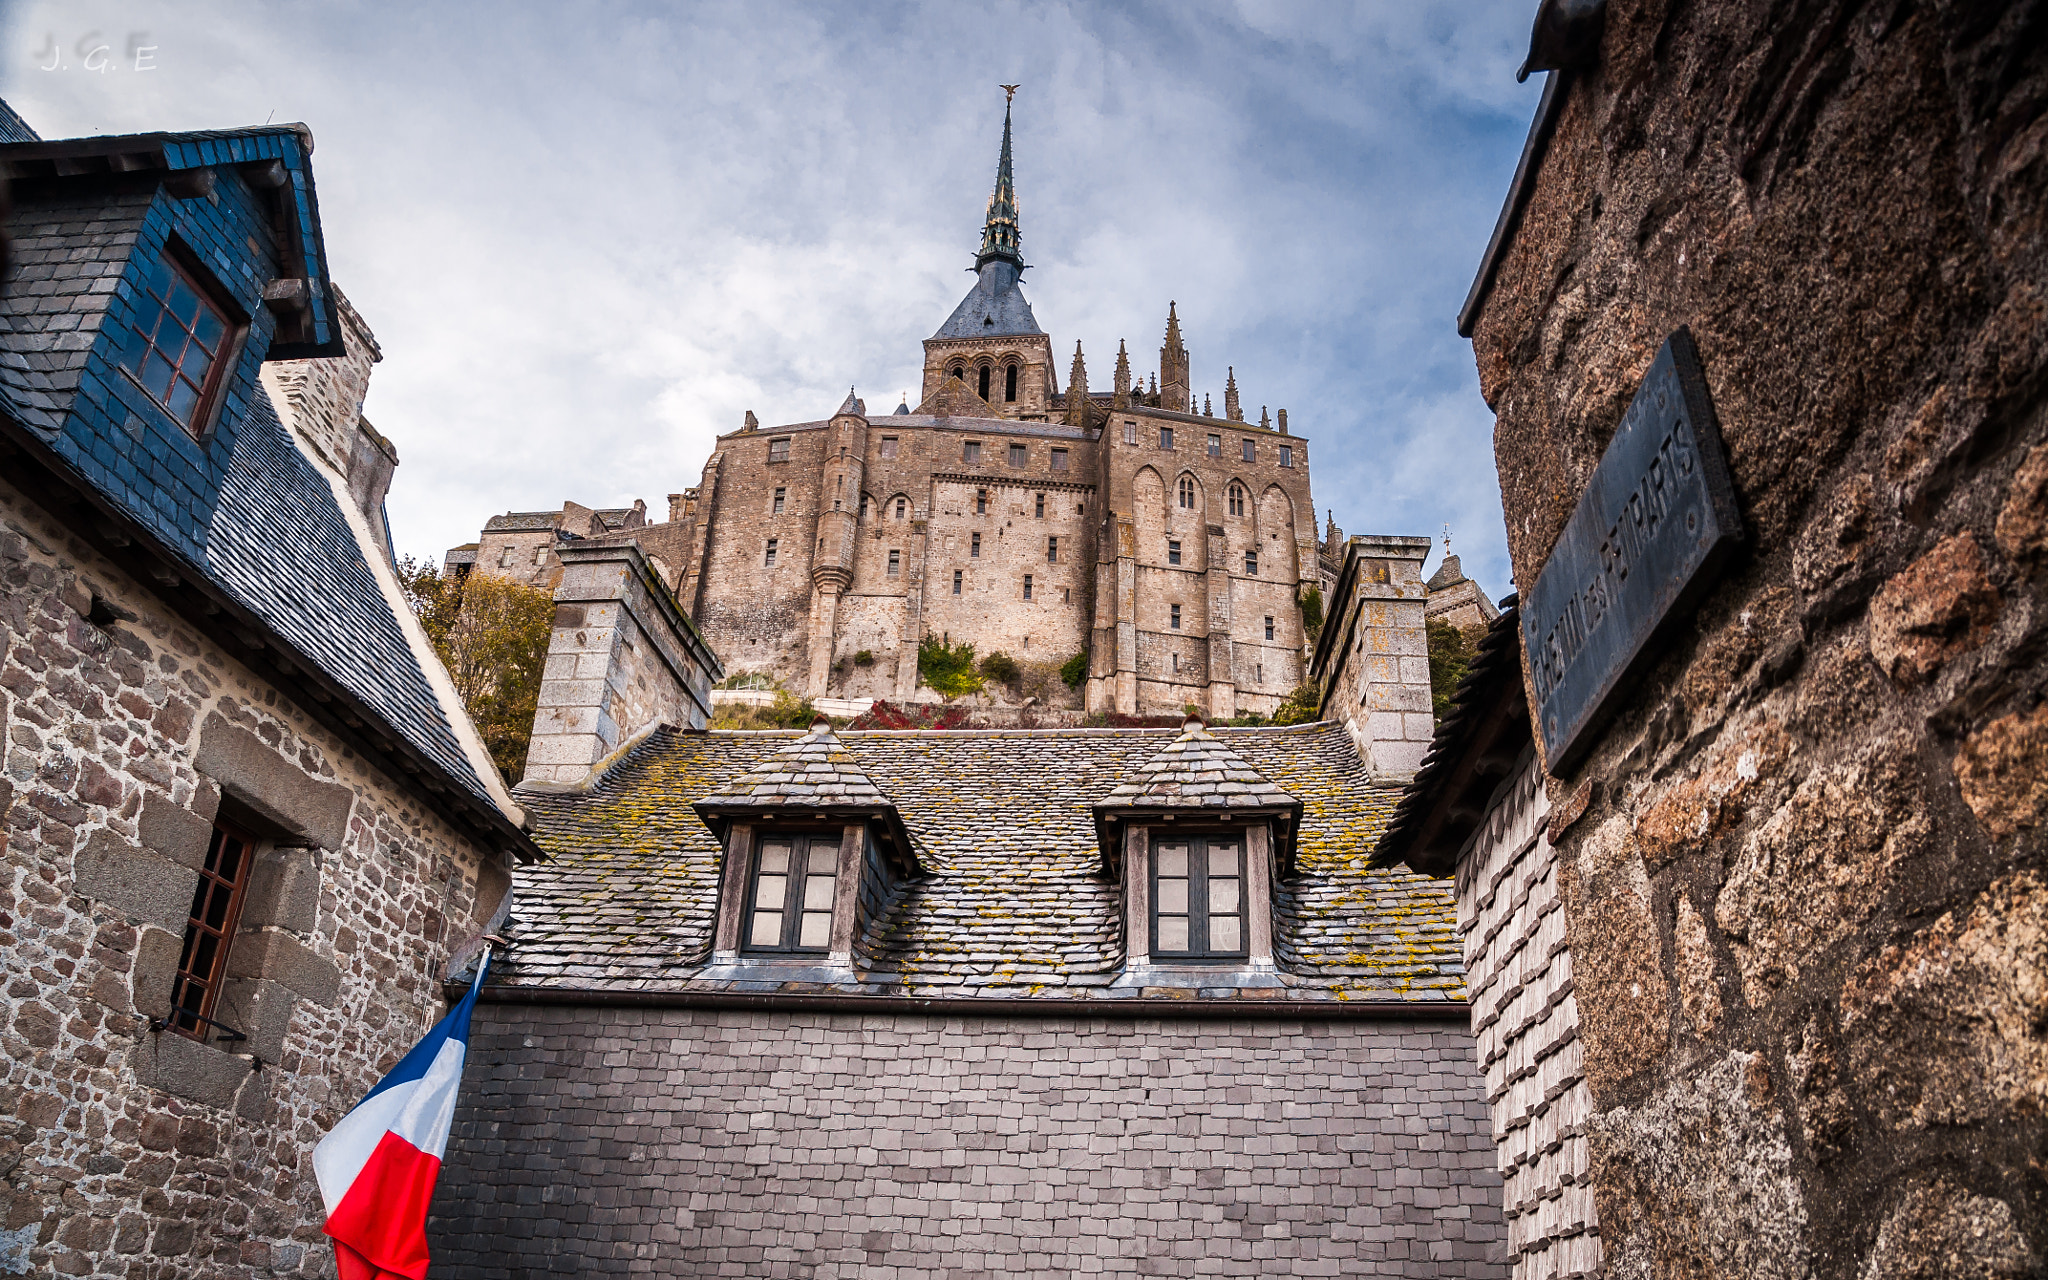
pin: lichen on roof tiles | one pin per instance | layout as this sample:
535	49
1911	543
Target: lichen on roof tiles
1011	900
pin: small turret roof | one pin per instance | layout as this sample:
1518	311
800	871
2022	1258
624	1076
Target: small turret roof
853	404
1197	771
815	771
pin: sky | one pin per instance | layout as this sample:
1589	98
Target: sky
590	238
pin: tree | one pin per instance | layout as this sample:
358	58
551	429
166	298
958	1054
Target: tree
491	633
1450	653
1301	706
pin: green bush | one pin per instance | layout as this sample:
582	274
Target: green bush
1300	707
1001	668
1074	670
787	712
865	658
1450	653
1311	602
948	670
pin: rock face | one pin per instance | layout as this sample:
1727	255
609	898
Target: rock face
1806	905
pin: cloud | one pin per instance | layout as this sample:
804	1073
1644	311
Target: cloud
589	238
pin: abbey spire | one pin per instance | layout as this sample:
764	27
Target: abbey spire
1000	238
1175	387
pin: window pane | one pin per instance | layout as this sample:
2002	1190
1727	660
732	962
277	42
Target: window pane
195	364
184	303
1173	933
182	399
1173	860
209	329
770	892
767	929
1223	895
160	277
1173	897
775	856
1222	859
158	374
203	953
818	888
1224	933
816	930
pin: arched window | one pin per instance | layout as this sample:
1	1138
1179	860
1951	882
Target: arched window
1187	492
1237	499
984	381
1010	384
960	372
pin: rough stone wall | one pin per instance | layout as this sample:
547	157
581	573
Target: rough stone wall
716	1143
1527	1021
326	395
1808	906
1375	673
122	1152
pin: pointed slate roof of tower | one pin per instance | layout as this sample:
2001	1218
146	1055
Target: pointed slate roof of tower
995	306
854	405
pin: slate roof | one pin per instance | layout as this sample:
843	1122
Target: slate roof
993	308
1011	899
522	522
1197	771
814	770
258	522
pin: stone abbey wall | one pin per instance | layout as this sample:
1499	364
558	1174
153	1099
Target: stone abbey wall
126	1152
1115	508
679	1142
1807	899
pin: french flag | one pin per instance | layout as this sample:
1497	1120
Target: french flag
377	1168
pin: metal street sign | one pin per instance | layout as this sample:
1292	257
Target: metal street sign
1650	533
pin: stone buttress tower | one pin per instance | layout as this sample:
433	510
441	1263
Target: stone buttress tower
838	528
1174	384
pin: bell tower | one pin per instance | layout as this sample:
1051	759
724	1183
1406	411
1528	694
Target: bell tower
990	358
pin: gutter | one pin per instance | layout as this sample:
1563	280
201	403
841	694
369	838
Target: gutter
1548	110
1458	1011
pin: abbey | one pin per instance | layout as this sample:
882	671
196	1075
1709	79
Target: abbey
1169	545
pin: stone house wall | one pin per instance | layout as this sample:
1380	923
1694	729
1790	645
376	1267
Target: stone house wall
128	1152
1805	874
743	1143
1526	1020
1372	659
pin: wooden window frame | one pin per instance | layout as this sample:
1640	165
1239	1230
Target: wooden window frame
1173	551
781	500
194	1018
1052	549
970	453
957	575
1166	438
815	842
1286	455
778	449
889	446
1196	912
974	546
1020	455
184	265
1130	433
1039	506
1215	445
1251	564
895	562
1250	451
1173	620
1059	459
768	560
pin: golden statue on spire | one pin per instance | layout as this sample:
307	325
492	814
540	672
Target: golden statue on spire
1009	92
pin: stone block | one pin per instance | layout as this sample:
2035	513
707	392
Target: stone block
572	693
281	958
261	1010
155	971
199	1072
284	890
256	775
177	834
134	880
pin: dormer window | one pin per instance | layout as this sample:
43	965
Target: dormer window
789	905
178	347
1198	898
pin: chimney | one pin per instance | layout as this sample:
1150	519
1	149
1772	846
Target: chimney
622	657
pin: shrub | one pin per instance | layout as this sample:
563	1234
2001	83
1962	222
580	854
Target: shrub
1450	653
1302	706
1074	670
787	712
865	658
947	669
1246	720
1001	668
1311	603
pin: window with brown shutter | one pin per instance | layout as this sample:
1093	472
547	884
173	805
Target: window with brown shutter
789	904
1198	898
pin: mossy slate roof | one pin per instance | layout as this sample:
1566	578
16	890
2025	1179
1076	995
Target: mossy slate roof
1011	900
